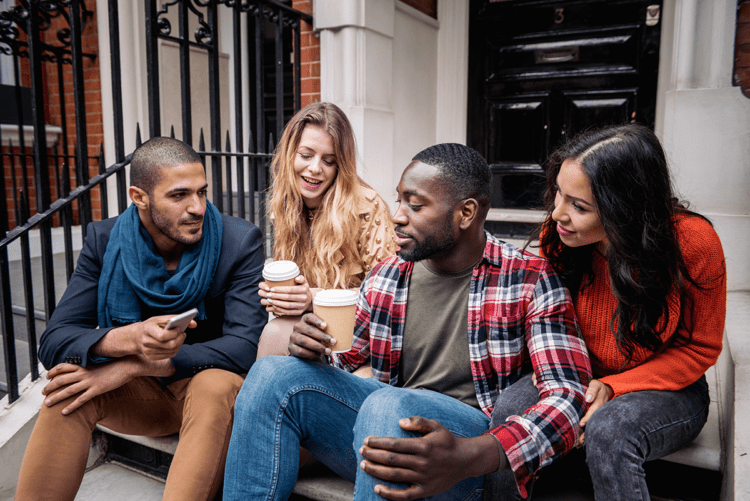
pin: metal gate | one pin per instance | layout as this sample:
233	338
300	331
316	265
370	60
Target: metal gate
46	47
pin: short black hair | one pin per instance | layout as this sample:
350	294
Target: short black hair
156	154
463	170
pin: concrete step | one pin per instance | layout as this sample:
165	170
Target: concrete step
115	482
560	482
316	482
22	361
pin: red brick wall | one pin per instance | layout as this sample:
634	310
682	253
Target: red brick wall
54	116
310	56
92	98
429	7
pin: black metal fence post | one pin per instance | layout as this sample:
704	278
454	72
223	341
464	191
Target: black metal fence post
238	111
82	149
152	72
41	165
114	50
6	313
214	97
28	288
279	67
186	95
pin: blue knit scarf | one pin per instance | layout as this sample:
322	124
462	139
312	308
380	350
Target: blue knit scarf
133	272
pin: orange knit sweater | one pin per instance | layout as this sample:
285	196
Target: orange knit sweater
675	367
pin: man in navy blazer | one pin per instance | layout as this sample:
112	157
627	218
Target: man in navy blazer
110	359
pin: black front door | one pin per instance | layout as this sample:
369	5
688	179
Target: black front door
540	71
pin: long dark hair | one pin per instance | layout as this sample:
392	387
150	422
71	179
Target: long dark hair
632	190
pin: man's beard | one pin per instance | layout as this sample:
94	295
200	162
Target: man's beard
163	224
432	246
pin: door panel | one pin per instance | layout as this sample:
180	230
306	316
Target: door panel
540	71
517	134
582	109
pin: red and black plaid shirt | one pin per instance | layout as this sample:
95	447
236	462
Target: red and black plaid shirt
520	314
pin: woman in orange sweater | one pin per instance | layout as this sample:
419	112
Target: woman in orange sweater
648	282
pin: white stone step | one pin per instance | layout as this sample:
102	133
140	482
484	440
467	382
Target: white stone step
114	482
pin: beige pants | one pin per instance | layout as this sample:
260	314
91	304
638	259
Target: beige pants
200	409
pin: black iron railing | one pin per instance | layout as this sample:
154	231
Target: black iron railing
266	50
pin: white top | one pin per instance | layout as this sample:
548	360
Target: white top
336	297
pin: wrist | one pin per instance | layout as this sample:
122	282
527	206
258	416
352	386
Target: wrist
610	392
131	336
486	456
155	368
118	342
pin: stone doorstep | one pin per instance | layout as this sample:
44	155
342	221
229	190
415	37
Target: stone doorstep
705	451
164	444
318	483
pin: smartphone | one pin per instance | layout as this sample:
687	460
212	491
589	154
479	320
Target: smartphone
181	321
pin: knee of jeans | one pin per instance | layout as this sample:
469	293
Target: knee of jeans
380	413
514	400
274	369
605	430
271	377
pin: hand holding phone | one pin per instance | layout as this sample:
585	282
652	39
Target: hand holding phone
181	321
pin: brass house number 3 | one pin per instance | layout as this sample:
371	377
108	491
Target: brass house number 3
559	16
652	15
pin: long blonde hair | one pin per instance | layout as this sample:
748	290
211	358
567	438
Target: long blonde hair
314	245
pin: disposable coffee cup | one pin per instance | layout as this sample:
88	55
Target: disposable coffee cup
338	308
280	273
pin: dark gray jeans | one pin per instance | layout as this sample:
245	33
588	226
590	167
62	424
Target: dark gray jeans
501	486
622	435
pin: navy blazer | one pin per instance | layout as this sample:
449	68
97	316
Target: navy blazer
226	339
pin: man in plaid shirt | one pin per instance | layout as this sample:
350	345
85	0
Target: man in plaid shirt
440	413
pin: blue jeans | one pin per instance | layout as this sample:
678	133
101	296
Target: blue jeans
286	403
638	427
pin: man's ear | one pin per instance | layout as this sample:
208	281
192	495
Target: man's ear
139	197
469	209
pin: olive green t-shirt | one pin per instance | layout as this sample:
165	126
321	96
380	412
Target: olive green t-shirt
435	350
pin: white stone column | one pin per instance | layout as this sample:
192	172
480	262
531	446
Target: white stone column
704	123
452	71
133	81
356	73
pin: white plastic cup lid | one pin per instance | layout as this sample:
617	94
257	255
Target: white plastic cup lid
278	271
336	297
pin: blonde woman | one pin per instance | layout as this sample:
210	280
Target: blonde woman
325	218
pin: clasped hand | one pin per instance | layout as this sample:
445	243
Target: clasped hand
287	300
90	381
597	395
